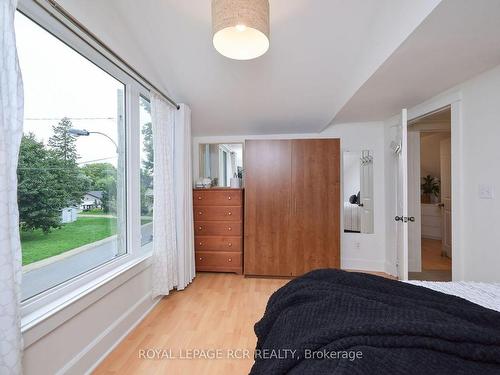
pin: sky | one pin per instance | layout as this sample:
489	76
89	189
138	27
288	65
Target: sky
59	82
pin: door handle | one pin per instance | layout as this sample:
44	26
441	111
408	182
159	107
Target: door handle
405	219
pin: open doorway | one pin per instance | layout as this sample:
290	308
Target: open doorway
429	197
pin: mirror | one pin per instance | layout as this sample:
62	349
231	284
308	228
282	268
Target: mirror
221	165
358	191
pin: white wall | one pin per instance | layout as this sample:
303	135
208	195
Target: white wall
75	338
430	157
475	157
358	251
480	156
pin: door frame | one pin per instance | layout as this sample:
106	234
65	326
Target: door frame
414	208
454	101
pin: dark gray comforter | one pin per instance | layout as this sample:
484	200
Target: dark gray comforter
336	322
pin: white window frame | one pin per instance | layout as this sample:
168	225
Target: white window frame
44	305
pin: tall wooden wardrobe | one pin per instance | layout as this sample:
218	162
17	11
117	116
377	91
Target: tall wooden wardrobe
292	206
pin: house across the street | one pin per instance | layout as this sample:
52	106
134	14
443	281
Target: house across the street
91	200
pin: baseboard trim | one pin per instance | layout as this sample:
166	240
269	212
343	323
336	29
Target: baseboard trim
95	352
391	269
431	237
363	265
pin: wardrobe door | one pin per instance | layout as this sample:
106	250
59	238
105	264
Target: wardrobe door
315	205
267	207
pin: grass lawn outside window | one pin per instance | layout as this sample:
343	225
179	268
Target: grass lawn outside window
37	245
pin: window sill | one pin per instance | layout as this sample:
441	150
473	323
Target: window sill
40	322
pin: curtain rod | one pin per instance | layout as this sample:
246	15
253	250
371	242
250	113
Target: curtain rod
103	45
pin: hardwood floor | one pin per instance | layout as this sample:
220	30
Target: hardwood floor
217	311
434	266
431	256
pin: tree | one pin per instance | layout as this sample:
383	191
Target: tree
147	169
62	142
39	191
63	146
49	179
148	161
103	178
100	175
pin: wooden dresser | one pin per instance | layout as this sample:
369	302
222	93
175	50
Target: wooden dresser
218	229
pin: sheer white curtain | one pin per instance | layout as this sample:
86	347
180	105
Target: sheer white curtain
11	128
183	177
173	232
165	259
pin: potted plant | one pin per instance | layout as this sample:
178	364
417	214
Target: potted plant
237	179
430	188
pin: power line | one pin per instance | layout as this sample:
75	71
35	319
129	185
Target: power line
69	118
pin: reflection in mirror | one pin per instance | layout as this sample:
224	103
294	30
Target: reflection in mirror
221	165
358	192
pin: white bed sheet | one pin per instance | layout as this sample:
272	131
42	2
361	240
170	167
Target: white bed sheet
484	294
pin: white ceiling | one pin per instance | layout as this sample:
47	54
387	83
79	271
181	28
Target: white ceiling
458	40
321	52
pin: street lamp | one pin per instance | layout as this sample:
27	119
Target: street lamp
86	133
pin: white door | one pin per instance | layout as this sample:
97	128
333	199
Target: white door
445	154
401	214
414	210
366	192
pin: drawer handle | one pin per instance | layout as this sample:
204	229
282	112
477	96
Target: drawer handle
229	228
200	213
199	198
229	244
200	228
201	243
229	260
229	213
201	258
229	197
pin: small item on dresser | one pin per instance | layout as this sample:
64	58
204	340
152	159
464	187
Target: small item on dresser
206	182
235	182
198	184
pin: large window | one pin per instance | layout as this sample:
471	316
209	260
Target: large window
72	185
147	170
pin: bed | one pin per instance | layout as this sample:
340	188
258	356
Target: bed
337	322
352	217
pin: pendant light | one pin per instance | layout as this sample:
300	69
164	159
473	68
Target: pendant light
240	28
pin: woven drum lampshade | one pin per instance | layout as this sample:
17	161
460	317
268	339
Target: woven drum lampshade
240	28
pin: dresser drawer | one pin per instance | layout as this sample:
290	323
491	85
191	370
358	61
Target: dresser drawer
214	228
213	197
208	260
218	243
229	213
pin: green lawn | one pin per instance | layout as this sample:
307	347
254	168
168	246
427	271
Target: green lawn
37	246
95	211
